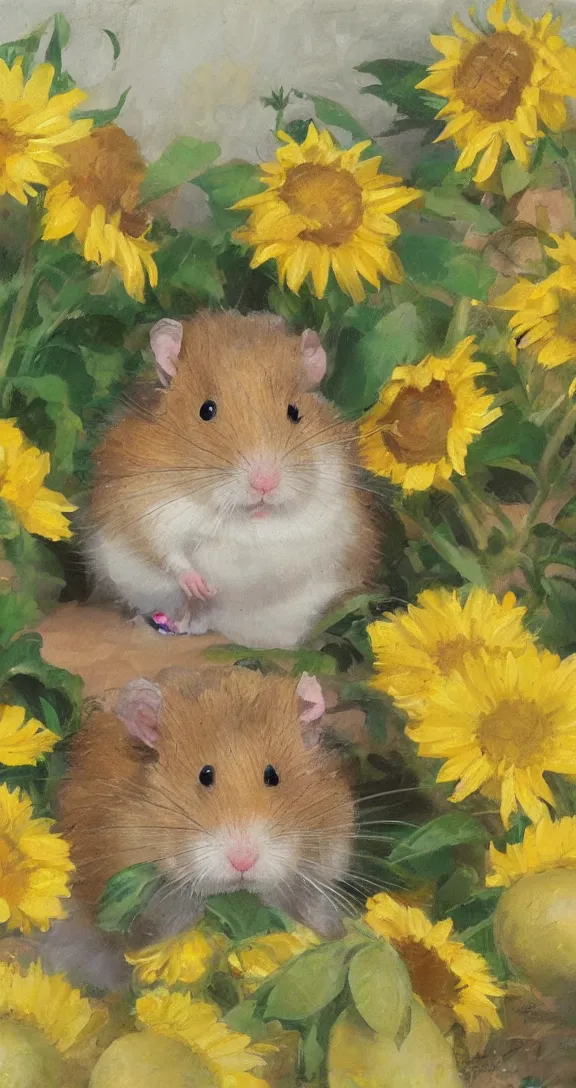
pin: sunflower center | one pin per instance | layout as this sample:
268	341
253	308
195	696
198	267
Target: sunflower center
493	75
431	979
106	168
415	429
332	197
10	142
12	875
514	732
567	317
450	655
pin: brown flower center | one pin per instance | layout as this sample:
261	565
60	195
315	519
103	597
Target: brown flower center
493	75
567	317
450	655
514	732
12	875
326	194
415	428
432	980
10	142
106	168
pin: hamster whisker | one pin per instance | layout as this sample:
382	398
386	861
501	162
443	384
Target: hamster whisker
155	510
182	469
338	900
388	793
335	425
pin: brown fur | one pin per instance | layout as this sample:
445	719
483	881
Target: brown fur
122	804
253	370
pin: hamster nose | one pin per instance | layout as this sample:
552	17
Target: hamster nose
242	858
264	482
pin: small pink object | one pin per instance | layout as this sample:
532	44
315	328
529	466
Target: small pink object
242	858
164	624
264	482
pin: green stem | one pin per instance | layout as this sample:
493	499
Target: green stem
458	325
546	484
27	273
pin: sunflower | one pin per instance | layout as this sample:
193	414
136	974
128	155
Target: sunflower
544	316
186	959
31	125
452	982
23	469
500	723
427	415
34	866
261	956
323	208
48	1003
21	742
96	198
227	1053
547	845
415	648
500	85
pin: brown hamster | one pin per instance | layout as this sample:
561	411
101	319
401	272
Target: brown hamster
220	778
232	501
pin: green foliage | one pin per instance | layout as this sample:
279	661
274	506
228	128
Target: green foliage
182	161
126	895
385	1006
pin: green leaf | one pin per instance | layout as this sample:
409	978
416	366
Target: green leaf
312	1054
60	37
17	610
104	367
298	129
104	117
449	203
480	938
23	658
397	81
115	43
510	436
126	895
459	557
515	178
433	261
38	569
189	263
23	47
181	162
333	114
224	186
382	991
241	915
53	392
309	983
453	829
9	525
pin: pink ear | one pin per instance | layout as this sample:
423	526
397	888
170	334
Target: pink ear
309	691
166	341
138	706
313	357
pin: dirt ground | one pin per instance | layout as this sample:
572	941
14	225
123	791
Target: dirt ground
535	1049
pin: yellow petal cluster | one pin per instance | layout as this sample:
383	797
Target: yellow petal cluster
417	648
184	959
259	957
322	209
96	198
32	124
501	85
453	982
21	741
500	723
23	469
544	317
34	866
227	1053
546	845
49	1003
427	415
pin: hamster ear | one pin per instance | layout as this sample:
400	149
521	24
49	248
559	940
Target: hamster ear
138	706
310	692
166	341
313	357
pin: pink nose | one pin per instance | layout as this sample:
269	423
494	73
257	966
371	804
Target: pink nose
242	858
264	482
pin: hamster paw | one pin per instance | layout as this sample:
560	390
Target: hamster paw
194	585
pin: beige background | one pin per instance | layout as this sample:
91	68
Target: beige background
198	67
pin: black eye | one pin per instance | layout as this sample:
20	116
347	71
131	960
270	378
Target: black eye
270	776
206	776
208	410
293	413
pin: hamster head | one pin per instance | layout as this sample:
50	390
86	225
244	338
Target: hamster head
239	419
236	789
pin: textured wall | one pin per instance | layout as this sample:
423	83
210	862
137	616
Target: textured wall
198	67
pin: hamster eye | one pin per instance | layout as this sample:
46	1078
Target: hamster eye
270	776
293	413
208	410
206	776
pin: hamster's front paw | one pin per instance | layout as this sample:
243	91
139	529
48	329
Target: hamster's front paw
194	585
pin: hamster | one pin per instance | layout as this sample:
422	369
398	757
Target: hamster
232	503
221	779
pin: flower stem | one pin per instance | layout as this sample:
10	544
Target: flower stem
458	325
545	485
26	275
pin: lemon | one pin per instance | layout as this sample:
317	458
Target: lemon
27	1059
145	1060
535	928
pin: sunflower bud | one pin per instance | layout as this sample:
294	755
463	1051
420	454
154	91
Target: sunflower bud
27	1059
535	928
144	1060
